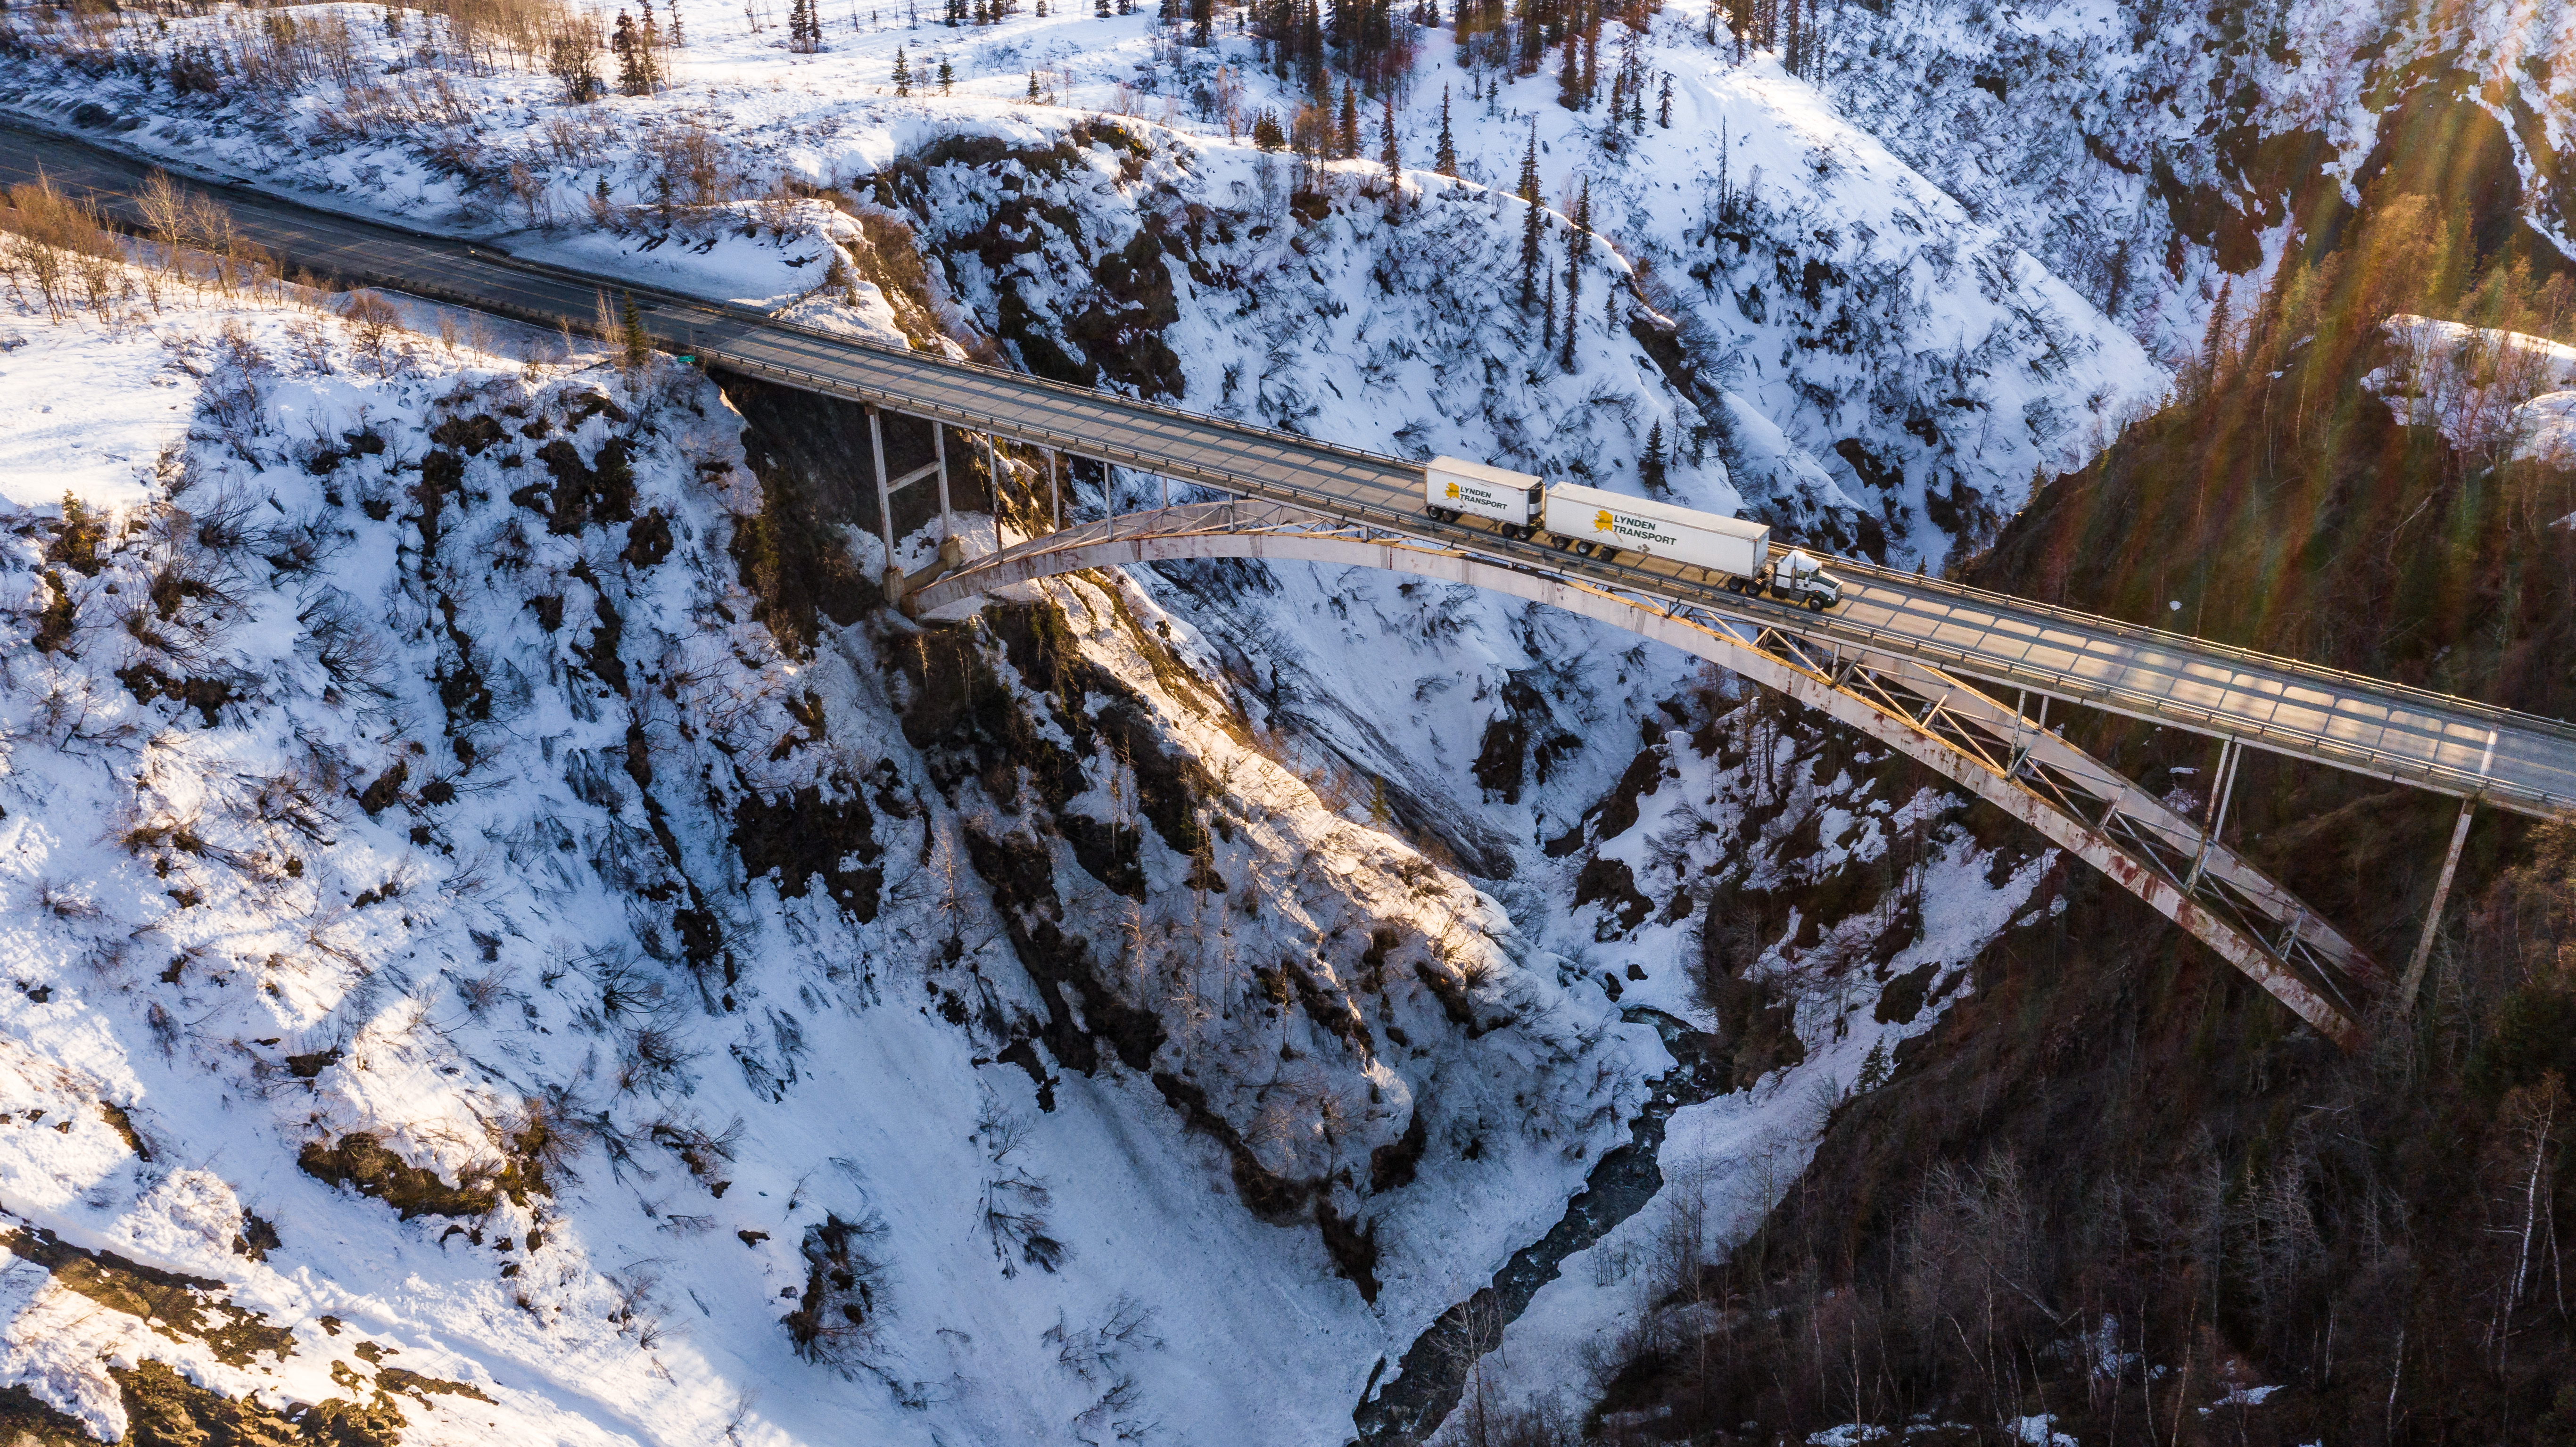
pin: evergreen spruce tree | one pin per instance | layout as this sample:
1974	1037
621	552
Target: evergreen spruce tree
1650	467
1446	161
1033	77
902	73
648	45
633	342
2213	342
1349	136
1577	251
1578	245
621	41
1547	334
1533	224
1664	103
1592	61
947	77
1569	76
1387	154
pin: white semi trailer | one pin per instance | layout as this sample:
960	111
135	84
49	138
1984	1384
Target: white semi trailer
1605	524
1600	524
1453	487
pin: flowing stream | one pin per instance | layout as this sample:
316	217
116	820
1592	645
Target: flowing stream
1433	1374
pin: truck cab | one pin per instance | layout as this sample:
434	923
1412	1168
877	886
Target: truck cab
1798	578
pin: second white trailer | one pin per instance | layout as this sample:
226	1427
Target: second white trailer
1598	523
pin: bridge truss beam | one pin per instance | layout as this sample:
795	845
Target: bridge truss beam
2175	864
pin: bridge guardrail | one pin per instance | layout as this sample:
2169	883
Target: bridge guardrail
2102	623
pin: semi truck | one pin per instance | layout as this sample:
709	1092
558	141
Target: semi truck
1598	524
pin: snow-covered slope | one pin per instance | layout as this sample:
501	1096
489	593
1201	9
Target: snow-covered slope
1876	367
399	795
1100	988
2153	153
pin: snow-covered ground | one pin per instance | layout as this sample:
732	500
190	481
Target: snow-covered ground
2150	152
1858	345
229	925
563	935
2491	393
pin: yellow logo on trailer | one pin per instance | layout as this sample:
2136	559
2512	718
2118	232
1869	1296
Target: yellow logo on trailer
1453	492
1601	522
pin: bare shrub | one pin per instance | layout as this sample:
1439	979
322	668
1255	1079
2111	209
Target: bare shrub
376	332
482	993
705	1154
1094	1353
842	1310
46	237
653	1056
345	642
1011	1209
67	901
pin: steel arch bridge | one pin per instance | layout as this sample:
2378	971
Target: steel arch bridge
1938	717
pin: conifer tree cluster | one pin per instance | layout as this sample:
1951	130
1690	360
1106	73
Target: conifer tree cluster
639	72
804	27
984	12
1364	40
1520	37
1787	26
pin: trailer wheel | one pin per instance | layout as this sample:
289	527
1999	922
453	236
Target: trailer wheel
1735	586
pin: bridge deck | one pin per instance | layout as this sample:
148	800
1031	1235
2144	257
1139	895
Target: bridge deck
2344	720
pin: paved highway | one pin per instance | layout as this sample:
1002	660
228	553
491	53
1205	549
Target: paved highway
2450	745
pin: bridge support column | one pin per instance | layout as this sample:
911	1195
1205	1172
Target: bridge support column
2433	917
993	479
951	552
2222	791
1055	486
2442	890
885	508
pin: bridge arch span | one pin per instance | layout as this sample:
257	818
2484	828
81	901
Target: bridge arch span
2173	863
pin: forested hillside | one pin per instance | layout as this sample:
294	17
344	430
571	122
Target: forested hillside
2113	1186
